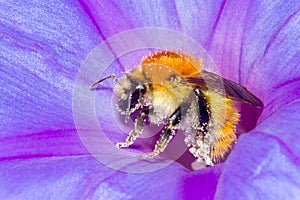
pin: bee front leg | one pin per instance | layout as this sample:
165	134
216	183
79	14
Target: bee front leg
162	143
138	128
166	135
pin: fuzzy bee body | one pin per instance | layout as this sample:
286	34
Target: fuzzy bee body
171	88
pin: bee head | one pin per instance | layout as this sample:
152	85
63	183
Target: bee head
129	92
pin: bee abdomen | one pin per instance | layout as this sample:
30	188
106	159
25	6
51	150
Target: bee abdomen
224	142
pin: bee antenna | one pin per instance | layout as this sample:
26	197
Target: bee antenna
103	79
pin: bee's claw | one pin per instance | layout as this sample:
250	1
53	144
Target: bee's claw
133	135
120	145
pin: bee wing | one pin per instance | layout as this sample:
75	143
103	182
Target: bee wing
233	90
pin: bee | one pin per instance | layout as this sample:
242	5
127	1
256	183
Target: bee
172	88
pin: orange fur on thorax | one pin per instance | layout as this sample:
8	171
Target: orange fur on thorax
183	64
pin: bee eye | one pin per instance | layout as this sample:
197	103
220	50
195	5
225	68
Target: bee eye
133	99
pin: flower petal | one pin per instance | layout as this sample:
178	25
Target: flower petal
265	57
271	169
45	50
195	18
82	177
42	144
254	41
43	45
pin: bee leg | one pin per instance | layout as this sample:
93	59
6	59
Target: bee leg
166	135
162	143
138	128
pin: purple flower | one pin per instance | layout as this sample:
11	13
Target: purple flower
42	47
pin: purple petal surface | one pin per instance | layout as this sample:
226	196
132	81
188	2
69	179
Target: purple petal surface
42	46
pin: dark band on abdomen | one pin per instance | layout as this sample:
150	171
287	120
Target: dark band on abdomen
204	113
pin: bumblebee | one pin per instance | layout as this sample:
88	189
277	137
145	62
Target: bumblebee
171	88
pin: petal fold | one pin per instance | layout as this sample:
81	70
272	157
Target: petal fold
265	163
